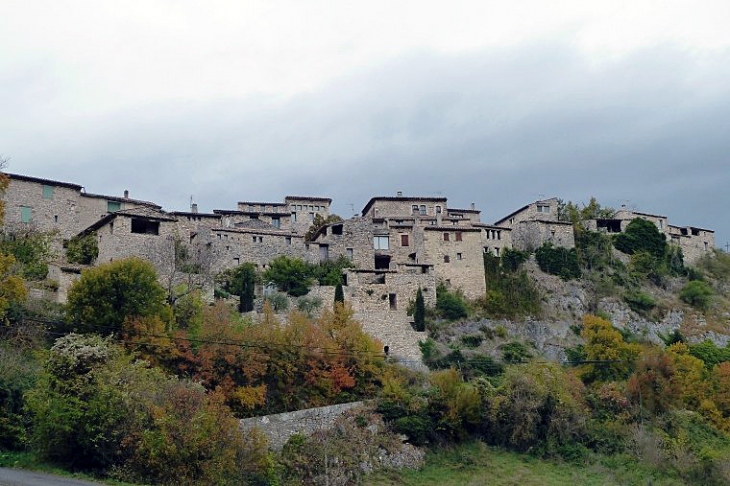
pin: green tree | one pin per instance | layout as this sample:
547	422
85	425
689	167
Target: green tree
642	235
105	296
419	313
291	275
339	294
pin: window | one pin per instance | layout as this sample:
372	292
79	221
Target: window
350	253
446	237
236	261
112	206
276	222
499	235
288	240
422	210
438	209
447	259
543	208
458	256
293	217
111	227
47	192
145	227
706	246
458	236
414	208
337	229
293	207
403	240
380	243
25	214
55	218
496	251
311	216
299	207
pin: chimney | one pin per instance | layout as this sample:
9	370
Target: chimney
473	206
194	208
400	193
126	194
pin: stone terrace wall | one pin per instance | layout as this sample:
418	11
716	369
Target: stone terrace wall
279	427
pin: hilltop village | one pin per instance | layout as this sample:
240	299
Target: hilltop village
397	244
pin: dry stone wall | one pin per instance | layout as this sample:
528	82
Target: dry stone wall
280	427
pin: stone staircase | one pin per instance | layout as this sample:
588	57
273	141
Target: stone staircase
393	329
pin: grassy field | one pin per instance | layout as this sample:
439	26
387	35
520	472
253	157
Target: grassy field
477	464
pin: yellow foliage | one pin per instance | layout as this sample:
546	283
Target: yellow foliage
12	287
605	344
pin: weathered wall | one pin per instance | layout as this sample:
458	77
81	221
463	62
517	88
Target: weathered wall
530	235
465	266
279	427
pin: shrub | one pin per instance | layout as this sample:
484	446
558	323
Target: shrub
309	305
512	259
279	302
538	406
339	294
697	294
450	305
639	301
82	249
515	352
105	296
559	261
291	275
472	340
641	235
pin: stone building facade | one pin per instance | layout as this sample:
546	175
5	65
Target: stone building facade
695	242
537	223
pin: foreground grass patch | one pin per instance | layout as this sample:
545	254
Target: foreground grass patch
478	464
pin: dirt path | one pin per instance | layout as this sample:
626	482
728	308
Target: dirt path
19	477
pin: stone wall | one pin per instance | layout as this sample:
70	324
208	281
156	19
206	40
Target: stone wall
280	427
458	261
495	239
530	235
403	207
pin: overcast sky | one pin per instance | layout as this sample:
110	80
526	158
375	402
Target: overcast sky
497	103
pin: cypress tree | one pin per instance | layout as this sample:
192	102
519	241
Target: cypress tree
248	280
419	314
339	294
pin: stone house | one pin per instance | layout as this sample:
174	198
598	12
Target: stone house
48	205
537	223
695	242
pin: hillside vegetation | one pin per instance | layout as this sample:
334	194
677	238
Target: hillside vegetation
588	365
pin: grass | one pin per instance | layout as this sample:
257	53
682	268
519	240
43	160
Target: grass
478	464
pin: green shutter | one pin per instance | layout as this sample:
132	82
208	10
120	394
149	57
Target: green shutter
113	206
47	192
25	214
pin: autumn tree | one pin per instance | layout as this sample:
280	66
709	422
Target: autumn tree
608	357
105	296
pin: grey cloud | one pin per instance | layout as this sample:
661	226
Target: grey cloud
500	128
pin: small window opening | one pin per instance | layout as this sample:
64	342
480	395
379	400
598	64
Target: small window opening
382	262
458	236
393	301
403	240
337	229
446	237
143	226
447	259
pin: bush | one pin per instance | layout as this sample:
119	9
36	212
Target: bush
82	249
450	305
559	261
419	312
472	340
639	301
291	275
513	259
515	352
105	296
309	305
279	302
641	236
697	294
